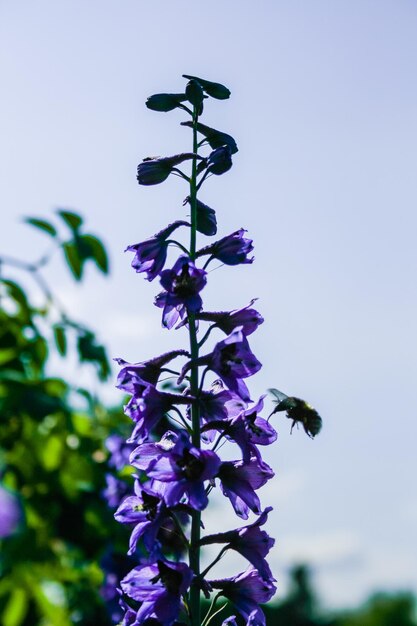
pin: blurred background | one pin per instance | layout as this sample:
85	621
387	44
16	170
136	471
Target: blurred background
323	109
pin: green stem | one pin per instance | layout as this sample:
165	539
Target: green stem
195	605
216	560
211	607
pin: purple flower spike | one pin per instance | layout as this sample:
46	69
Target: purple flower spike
247	590
232	360
159	587
230	250
239	480
249	319
150	255
250	541
182	285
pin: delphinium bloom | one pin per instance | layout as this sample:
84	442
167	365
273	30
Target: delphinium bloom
177	470
11	514
182	287
150	255
247	591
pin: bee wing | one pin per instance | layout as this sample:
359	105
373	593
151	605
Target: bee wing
279	399
278	395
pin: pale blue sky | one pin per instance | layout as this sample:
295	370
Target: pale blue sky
324	110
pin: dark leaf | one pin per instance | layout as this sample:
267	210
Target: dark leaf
206	218
47	227
18	295
215	138
73	259
89	350
165	102
215	90
91	248
194	93
60	339
73	220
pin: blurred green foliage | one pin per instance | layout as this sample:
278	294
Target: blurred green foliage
52	450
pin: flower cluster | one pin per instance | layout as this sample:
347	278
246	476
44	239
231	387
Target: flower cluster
206	403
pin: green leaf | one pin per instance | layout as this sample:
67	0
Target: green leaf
16	608
215	90
73	220
89	350
51	452
95	250
60	339
73	259
47	227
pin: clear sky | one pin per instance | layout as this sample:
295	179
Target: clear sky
324	110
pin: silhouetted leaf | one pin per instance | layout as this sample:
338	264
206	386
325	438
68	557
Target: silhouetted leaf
215	138
215	90
73	220
47	227
194	93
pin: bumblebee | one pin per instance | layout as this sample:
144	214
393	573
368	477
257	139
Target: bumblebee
298	411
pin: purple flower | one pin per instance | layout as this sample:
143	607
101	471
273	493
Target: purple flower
159	587
150	255
119	451
148	406
145	371
230	250
216	406
246	428
115	490
249	319
232	360
247	590
10	513
220	160
147	511
182	285
250	541
153	171
182	467
238	482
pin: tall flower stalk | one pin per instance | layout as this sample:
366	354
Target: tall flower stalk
180	425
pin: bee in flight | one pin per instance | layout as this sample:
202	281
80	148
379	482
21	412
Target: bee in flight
298	411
